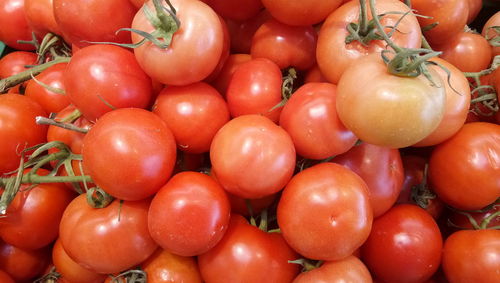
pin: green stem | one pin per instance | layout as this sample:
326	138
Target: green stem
363	18
263	225
487	220
408	3
40	120
98	198
37	179
381	28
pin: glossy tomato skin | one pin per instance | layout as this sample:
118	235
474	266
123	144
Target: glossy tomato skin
464	170
221	82
310	117
50	101
96	84
189	215
404	245
301	13
21	264
15	62
195	49
13	16
471	256
40	17
107	240
194	113
130	153
349	269
388	110
382	170
334	55
252	157
324	212
163	266
259	256
18	128
285	45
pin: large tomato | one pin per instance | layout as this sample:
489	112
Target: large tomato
349	269
51	102
106	240
14	24
195	49
252	157
130	153
464	170
324	212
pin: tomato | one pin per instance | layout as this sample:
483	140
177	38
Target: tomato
5	277
404	245
349	269
310	117
252	157
70	270
472	256
474	9
456	106
74	16
14	63
163	266
285	45
324	212
51	102
464	170
106	240
23	265
96	84
450	16
238	10
13	16
248	254
255	88
241	32
40	17
401	110
334	55
194	113
489	33
195	49
382	170
189	215
467	51
129	153
301	13
18	128
221	82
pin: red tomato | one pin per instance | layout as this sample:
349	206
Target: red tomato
96	84
255	88
334	55
189	215
129	153
472	256
489	33
166	267
195	49
5	277
70	270
74	17
238	10
248	254
14	25
137	3
388	110
404	245
50	101
23	265
324	212
221	82
194	113
18	128
310	117
301	12
349	269
40	17
252	157
14	63
106	240
241	32
464	170
382	170
285	45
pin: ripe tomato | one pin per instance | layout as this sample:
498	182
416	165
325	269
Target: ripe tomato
5	277
248	254
23	265
221	82
40	17
195	49
301	12
464	170
50	101
194	113
18	128
404	245
166	267
334	55
130	153
189	215
324	212
96	84
349	269
489	33
388	110
285	45
382	170
310	117
106	240
14	63
238	10
472	256
14	25
252	157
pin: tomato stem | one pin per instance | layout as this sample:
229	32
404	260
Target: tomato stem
487	220
363	18
98	198
40	120
134	276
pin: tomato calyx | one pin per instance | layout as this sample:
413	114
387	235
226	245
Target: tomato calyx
307	264
421	193
130	276
484	96
484	224
51	276
495	39
287	87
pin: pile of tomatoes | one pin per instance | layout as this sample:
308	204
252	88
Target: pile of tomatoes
249	141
